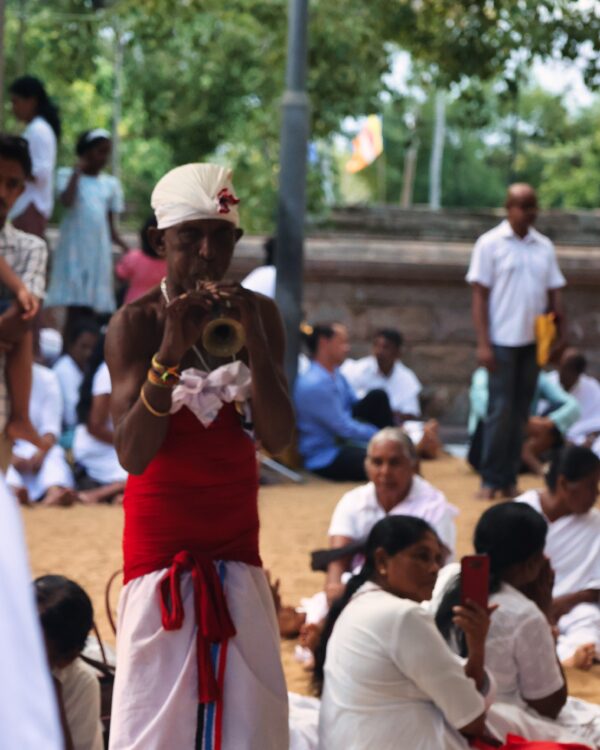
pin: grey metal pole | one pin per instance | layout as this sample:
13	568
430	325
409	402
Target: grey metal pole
292	184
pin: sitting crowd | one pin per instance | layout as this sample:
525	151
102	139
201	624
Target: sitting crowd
341	403
469	671
69	409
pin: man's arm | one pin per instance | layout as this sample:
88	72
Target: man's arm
114	233
138	434
336	569
562	605
480	311
272	411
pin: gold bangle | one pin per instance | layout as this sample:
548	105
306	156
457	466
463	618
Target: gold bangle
162	369
155	379
150	408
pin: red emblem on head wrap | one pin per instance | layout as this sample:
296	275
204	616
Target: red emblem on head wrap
225	199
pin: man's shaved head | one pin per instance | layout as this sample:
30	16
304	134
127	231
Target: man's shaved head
520	193
521	207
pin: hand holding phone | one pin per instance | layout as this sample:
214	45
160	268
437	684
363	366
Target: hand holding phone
475	579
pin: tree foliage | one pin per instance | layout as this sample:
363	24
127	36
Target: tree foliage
203	79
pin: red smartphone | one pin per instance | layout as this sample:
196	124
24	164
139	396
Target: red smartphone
475	579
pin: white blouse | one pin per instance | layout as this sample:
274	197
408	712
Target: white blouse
391	681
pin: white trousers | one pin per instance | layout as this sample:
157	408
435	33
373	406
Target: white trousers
155	704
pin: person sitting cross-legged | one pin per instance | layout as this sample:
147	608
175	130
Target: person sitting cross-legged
42	474
70	369
573	547
384	369
333	425
386	676
531	690
394	488
572	376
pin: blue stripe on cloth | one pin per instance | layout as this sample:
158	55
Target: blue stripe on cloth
215	652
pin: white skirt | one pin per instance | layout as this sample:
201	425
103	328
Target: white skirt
155	700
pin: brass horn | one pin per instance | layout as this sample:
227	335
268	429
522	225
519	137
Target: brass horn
223	337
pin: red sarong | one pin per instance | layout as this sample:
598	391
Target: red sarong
196	502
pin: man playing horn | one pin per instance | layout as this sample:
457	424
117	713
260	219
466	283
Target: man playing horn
198	651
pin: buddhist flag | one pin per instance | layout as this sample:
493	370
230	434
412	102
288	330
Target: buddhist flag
367	145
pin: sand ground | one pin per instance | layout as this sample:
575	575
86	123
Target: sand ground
84	543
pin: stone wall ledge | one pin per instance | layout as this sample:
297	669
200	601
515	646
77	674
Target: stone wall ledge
362	258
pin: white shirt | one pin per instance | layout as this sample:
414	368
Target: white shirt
573	547
42	147
587	392
28	710
81	699
262	280
401	385
519	649
99	459
391	680
70	378
358	511
519	273
45	405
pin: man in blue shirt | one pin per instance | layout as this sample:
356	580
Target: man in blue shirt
333	425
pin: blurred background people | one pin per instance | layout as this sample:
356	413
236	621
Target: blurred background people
32	106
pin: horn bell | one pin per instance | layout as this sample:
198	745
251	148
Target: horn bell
223	337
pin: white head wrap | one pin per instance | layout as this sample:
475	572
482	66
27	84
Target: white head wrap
97	133
195	191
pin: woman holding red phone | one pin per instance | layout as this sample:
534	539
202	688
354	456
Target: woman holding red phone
388	680
520	654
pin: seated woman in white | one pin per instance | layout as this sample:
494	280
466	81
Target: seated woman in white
70	369
93	447
531	692
573	547
388	678
394	488
42	475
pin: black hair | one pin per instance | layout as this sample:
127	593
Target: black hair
312	334
390	334
147	248
84	325
65	611
393	533
84	144
85	391
15	148
30	87
574	462
509	533
577	362
270	248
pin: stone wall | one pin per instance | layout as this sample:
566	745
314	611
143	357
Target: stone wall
419	288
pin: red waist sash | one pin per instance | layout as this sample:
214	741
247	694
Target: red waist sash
196	502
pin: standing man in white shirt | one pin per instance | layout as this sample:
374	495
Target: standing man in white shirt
515	277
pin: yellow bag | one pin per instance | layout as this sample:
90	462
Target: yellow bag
545	335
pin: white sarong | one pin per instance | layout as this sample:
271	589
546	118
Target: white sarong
155	702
